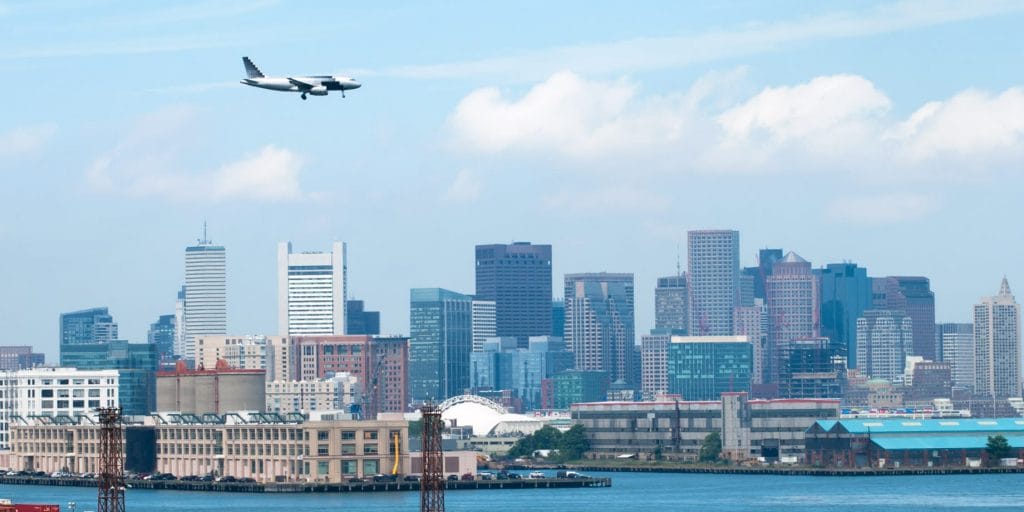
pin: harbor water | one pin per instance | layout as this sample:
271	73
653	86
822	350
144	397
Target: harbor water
629	492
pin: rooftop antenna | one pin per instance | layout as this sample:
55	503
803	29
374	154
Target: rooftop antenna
679	265
205	240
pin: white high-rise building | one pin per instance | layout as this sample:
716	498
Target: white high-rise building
206	308
997	347
485	322
179	322
53	392
713	281
311	291
884	340
957	344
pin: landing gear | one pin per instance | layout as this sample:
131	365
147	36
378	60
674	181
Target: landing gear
303	96
343	93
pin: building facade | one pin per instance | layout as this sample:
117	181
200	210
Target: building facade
957	344
599	323
360	321
311	291
250	352
884	340
94	325
713	281
750	429
517	277
579	386
704	367
136	364
338	393
161	334
19	357
380	365
671	304
654	363
913	296
792	300
216	390
752	322
997	350
845	294
52	392
484	322
206	298
440	341
502	365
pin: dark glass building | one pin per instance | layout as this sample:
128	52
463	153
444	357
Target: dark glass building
913	296
360	321
704	367
517	277
558	318
845	296
94	325
162	335
135	362
440	342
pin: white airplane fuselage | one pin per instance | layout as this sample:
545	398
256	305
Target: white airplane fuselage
320	85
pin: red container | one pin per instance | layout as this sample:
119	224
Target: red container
37	508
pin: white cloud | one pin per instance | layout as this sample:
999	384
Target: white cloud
654	53
148	162
465	188
881	209
830	123
25	140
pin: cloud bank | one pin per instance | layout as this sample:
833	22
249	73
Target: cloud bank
25	140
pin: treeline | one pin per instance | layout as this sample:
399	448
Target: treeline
565	447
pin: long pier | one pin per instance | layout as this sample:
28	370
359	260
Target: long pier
794	470
318	487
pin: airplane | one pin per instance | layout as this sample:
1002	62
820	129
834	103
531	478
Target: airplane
315	85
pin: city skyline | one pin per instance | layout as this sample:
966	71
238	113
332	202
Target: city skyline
632	129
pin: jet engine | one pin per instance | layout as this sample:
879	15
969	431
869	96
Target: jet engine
319	90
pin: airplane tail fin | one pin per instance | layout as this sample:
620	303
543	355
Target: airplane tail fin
251	69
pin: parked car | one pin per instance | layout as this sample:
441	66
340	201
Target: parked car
189	478
227	479
468	476
356	480
515	476
384	478
411	478
485	476
536	474
453	478
247	480
206	478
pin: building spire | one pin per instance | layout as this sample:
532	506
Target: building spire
1004	287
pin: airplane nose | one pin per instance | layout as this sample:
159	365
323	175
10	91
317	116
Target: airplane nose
356	85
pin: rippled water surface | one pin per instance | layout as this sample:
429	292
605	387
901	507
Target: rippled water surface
629	492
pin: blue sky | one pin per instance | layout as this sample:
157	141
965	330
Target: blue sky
889	134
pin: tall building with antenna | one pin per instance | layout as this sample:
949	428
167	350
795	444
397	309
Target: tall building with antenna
997	345
205	305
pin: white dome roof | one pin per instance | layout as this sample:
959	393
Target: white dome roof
487	417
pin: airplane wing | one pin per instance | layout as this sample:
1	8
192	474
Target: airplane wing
301	85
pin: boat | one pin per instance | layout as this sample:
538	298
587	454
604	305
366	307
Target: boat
7	505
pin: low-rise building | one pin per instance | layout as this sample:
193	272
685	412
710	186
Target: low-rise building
334	394
749	429
51	392
906	442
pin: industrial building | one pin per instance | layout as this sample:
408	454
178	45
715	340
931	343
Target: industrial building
265	446
217	390
750	429
909	442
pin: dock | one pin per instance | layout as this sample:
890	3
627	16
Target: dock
319	487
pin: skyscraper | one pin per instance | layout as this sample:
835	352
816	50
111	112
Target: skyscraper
599	323
654	363
758	275
704	367
360	321
752	322
957	344
997	349
558	318
845	295
162	333
671	300
517	277
884	340
206	307
179	323
311	291
713	281
440	343
483	322
93	325
792	292
913	296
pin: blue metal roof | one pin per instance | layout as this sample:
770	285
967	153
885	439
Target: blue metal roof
938	442
937	426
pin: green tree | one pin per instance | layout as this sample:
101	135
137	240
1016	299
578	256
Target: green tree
573	443
997	448
658	452
711	447
547	438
